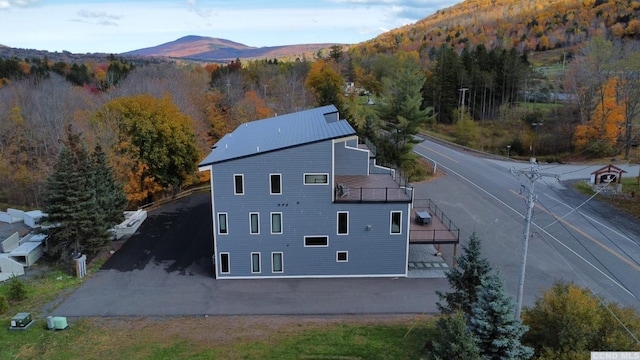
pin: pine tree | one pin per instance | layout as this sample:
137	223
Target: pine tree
493	324
111	198
401	109
465	279
453	339
70	202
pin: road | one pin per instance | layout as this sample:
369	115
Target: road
573	238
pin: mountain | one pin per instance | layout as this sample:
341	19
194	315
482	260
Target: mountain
213	49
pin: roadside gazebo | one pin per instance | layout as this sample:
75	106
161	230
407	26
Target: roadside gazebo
606	175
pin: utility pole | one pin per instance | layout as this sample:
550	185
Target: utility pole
532	175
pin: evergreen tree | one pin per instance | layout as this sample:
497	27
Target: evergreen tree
111	198
71	204
493	324
465	279
401	111
453	339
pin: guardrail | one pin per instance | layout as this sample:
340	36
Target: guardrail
165	200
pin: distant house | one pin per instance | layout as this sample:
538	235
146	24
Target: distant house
296	196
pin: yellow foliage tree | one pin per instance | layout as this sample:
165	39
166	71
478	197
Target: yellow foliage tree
606	123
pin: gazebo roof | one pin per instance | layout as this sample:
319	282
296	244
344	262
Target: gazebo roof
608	169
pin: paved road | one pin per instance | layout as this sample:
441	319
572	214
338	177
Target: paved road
165	270
587	242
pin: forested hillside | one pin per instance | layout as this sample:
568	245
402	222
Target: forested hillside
527	25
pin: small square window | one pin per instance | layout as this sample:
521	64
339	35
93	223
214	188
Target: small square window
342	256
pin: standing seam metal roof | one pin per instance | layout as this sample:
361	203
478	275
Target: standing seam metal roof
277	133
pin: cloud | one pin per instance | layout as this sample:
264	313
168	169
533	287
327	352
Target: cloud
97	18
7	4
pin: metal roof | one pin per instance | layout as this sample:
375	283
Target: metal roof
280	132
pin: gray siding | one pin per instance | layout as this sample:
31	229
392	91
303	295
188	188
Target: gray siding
306	210
351	161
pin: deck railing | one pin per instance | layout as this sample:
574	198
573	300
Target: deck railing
361	195
449	235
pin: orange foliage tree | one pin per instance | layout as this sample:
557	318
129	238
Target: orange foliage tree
606	124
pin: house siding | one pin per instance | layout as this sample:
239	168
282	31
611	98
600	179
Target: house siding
350	160
307	210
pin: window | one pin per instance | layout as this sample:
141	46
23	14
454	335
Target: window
254	223
342	256
238	181
316	241
396	221
275	184
222	223
276	223
276	262
316	179
343	223
224	263
255	263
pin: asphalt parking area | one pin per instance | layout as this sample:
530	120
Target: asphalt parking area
178	236
165	270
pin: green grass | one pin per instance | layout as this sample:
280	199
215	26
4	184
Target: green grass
628	200
99	339
199	337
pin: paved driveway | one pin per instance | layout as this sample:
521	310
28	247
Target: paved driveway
165	269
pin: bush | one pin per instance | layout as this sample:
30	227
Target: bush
4	304
17	289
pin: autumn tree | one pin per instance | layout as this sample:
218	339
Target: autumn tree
156	142
568	321
326	84
606	125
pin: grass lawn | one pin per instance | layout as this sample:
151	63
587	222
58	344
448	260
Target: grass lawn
202	337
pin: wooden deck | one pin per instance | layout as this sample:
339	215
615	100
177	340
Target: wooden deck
435	233
370	188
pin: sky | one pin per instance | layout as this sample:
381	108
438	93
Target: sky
117	26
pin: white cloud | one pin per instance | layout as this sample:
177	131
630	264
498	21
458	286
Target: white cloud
6	4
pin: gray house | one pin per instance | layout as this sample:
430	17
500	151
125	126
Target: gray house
296	196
